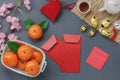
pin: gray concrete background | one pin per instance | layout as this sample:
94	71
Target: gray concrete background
66	23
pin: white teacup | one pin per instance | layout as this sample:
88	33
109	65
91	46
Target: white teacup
84	7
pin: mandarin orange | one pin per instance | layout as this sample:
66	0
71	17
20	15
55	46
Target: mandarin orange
32	67
21	64
35	32
25	52
10	59
37	56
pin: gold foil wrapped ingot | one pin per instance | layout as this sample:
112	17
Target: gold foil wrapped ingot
83	28
104	32
105	23
92	32
94	21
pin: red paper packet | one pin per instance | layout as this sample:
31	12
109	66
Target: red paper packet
97	58
71	53
53	47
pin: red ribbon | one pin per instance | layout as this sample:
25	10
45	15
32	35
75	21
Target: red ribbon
70	6
114	35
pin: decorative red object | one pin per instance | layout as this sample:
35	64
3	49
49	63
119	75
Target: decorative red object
66	54
69	38
53	47
114	35
97	58
71	53
52	9
50	43
70	6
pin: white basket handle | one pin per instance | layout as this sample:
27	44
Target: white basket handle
2	48
44	66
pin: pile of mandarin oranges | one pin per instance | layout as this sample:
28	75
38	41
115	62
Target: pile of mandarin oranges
26	59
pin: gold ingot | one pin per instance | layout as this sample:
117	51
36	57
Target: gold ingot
105	23
104	32
94	21
92	32
83	28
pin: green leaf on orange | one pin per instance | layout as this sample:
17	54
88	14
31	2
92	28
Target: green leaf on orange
44	25
13	46
28	23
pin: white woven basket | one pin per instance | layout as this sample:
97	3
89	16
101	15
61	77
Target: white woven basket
42	64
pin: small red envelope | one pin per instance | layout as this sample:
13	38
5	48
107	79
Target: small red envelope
71	53
97	58
50	43
53	48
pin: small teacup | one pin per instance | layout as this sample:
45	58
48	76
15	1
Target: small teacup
84	7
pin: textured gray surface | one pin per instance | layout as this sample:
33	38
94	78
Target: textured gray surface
67	23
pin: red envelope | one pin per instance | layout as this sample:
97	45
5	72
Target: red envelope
71	53
50	43
97	58
53	48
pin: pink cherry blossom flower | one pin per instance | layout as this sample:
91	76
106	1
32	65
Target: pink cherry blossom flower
8	19
7	12
2	35
4	9
15	26
27	4
2	41
14	21
9	5
12	37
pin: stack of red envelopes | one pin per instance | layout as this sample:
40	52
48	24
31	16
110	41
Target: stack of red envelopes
65	53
